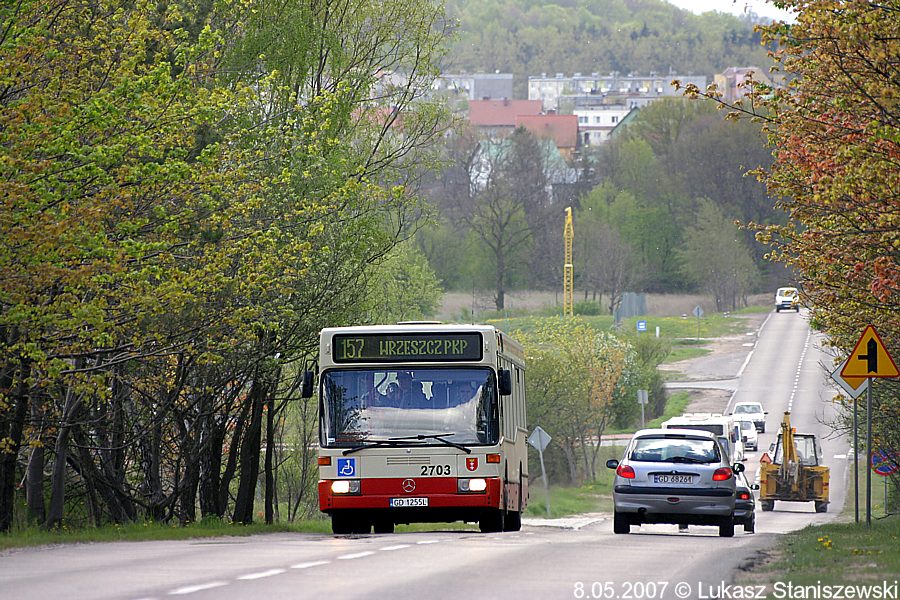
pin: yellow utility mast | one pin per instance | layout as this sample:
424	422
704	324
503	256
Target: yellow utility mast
569	268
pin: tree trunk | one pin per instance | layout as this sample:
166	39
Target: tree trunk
71	409
249	454
500	299
270	452
12	429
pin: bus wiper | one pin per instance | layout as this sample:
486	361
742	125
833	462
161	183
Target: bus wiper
376	444
435	436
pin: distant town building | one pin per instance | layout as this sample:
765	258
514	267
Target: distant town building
595	124
561	129
477	86
498	118
729	80
563	94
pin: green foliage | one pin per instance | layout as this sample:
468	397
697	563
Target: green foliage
530	37
192	192
403	288
717	259
576	375
835	138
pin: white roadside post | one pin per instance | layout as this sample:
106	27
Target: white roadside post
643	399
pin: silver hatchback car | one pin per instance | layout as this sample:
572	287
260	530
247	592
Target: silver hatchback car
674	476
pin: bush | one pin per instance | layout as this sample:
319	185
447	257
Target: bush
588	308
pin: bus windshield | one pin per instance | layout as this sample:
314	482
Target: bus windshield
364	405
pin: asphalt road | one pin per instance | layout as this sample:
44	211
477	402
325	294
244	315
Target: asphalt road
575	558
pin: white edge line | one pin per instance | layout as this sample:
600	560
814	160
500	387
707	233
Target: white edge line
307	565
261	574
190	589
428	542
746	362
356	555
397	547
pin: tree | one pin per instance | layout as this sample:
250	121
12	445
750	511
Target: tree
575	374
508	193
717	258
186	212
604	261
834	133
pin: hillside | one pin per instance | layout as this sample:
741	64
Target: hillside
530	37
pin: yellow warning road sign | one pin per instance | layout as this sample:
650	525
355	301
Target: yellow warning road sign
869	358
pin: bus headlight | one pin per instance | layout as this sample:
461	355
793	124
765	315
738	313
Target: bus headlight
345	486
471	486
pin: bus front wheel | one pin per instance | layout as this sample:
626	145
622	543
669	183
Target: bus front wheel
491	522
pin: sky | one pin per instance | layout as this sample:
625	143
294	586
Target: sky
735	7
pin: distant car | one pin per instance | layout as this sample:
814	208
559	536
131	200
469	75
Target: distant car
751	411
745	503
674	476
749	435
787	298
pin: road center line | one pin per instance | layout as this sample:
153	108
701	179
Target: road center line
307	565
397	547
261	574
428	542
190	589
356	555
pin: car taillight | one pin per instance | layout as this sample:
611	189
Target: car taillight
625	471
723	474
743	496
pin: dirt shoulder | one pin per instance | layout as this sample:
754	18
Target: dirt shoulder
711	379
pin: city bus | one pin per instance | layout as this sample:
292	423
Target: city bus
421	422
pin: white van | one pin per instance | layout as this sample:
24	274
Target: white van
726	429
749	435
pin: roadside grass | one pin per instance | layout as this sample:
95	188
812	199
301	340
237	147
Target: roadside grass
835	554
139	532
676	404
592	496
683	352
839	553
671	328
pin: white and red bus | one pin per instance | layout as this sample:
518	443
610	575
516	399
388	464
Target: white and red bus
421	422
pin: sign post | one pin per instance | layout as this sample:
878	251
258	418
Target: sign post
642	399
698	312
869	359
854	387
540	439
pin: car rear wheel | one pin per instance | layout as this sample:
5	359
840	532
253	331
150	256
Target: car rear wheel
620	523
767	505
726	527
750	524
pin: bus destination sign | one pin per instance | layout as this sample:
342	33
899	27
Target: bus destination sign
403	347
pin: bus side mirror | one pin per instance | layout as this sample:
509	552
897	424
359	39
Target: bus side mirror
505	381
306	386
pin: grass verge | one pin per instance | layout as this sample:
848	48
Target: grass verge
135	532
593	496
841	553
834	554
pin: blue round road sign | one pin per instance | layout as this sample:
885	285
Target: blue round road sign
884	462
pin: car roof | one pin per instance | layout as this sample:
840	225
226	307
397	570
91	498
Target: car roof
675	433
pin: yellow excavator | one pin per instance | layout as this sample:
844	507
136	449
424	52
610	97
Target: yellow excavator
795	472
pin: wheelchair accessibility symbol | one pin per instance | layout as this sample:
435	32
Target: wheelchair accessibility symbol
346	467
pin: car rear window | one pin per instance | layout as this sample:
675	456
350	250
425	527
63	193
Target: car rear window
680	449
